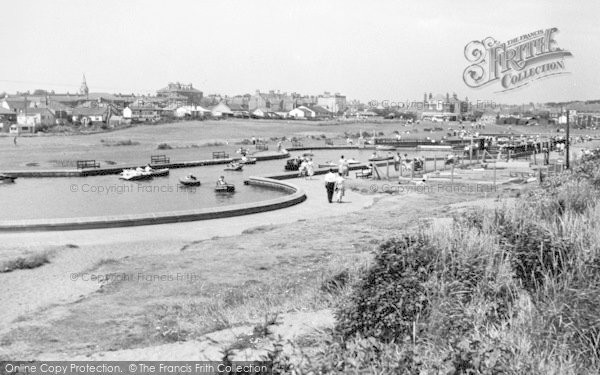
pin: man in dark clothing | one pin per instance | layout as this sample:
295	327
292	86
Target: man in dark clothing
330	179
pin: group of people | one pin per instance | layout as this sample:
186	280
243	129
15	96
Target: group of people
307	168
334	184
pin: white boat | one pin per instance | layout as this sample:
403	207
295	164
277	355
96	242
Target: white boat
234	167
189	181
134	175
247	161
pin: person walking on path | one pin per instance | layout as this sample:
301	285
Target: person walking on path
343	166
397	162
330	180
339	188
310	168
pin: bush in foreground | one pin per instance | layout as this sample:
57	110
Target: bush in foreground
516	291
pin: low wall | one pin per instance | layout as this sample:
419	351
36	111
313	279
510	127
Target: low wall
117	170
297	196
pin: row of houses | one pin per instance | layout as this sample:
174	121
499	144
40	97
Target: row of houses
223	110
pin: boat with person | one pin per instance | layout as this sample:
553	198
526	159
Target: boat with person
189	180
226	188
6	178
247	160
234	167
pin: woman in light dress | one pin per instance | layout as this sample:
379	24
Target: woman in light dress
310	168
339	188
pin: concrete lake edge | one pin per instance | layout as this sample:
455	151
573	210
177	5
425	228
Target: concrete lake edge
297	196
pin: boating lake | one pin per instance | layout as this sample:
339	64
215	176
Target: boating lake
64	197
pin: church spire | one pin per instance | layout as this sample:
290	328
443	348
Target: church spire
83	89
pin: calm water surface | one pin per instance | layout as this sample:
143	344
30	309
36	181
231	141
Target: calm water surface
31	198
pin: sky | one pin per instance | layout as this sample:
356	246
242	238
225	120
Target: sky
366	50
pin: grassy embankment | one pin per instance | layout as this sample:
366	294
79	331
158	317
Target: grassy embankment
511	291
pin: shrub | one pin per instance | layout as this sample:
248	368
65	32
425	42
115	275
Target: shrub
391	297
28	262
534	252
164	146
335	283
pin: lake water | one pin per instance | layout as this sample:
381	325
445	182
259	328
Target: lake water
31	198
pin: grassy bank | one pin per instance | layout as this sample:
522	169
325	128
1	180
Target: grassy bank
509	291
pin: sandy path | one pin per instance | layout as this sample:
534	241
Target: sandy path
25	291
210	347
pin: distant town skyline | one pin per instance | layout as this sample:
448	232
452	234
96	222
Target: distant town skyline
367	51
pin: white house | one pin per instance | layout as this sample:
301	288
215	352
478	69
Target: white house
258	113
87	116
302	112
127	113
191	111
221	110
34	118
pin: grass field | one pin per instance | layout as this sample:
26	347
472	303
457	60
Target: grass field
195	140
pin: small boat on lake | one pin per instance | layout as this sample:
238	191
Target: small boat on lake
158	172
226	188
234	167
190	180
7	178
247	161
134	175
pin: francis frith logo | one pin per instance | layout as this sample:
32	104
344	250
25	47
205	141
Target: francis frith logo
514	63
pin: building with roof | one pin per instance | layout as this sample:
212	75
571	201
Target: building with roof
221	110
191	111
271	102
15	104
301	112
180	94
34	119
320	112
335	103
142	113
7	117
89	116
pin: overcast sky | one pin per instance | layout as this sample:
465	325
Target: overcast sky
368	50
